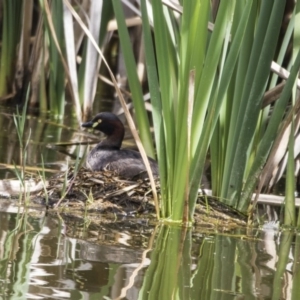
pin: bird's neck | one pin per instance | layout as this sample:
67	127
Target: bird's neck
113	141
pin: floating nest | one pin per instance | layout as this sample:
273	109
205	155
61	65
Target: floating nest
97	191
78	192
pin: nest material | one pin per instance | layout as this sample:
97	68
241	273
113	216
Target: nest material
99	191
86	191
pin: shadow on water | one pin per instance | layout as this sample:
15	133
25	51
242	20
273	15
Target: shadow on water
47	258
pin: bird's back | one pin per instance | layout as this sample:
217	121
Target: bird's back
125	162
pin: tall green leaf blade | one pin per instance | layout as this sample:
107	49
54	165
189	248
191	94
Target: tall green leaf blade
193	41
165	55
134	84
202	94
153	83
251	99
269	136
11	17
217	101
57	76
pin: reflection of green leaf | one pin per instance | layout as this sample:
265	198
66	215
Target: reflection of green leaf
15	264
169	271
203	274
283	256
134	83
296	270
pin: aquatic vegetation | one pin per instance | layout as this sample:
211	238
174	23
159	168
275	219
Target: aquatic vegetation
222	87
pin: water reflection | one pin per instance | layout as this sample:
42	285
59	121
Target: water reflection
51	258
45	137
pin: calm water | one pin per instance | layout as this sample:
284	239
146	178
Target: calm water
57	257
50	258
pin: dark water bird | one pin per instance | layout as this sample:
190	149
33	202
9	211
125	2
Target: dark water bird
108	153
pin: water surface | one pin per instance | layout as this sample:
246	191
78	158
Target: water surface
47	257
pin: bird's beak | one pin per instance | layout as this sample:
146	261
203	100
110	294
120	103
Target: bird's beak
88	124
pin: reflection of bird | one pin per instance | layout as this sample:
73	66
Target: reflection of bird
108	155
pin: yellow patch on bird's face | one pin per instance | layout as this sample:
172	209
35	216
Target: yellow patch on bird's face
95	124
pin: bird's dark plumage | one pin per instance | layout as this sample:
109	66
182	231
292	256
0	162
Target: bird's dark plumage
108	153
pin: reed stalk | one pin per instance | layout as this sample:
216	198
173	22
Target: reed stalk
19	120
